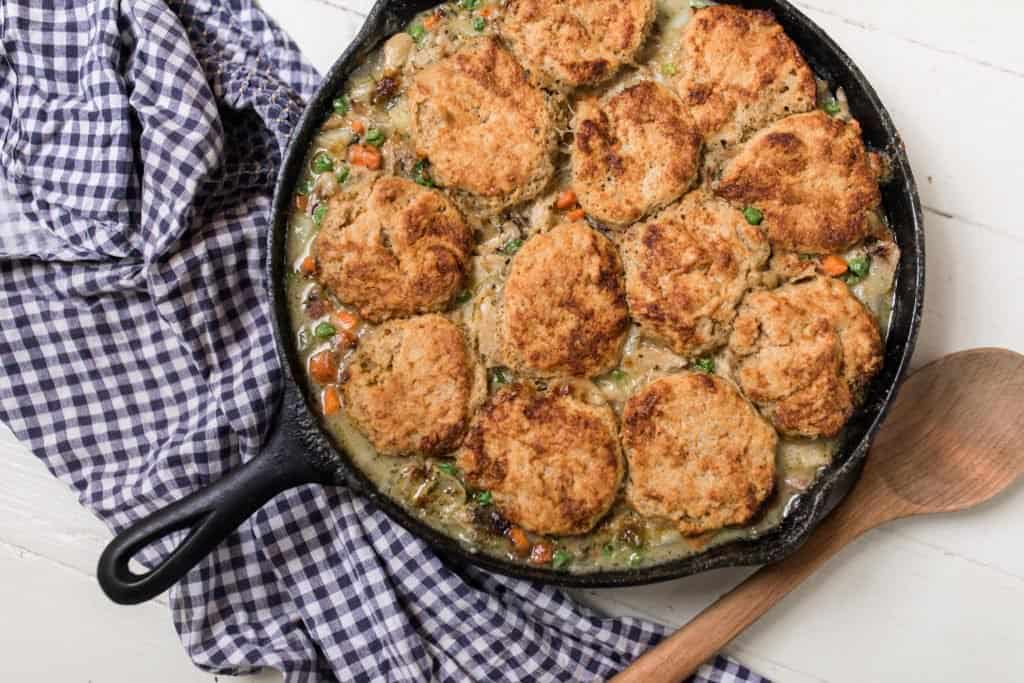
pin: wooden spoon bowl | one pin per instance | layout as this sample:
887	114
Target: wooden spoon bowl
954	439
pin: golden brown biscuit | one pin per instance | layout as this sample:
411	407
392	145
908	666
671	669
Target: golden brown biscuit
489	134
802	353
578	42
551	459
698	453
405	252
633	153
413	385
811	178
687	269
564	308
738	73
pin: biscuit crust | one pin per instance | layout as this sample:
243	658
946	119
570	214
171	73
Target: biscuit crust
551	459
406	251
813	180
564	305
740	72
802	352
633	153
698	452
413	385
489	134
578	42
687	269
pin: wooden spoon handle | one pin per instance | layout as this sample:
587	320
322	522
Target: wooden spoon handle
681	654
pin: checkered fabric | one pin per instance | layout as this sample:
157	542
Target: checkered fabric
139	142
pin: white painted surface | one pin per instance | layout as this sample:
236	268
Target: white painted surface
923	600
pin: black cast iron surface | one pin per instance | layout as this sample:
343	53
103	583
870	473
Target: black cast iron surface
298	451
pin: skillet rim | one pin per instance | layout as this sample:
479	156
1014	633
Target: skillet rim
807	510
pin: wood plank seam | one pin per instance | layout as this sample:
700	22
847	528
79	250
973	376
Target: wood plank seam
341	6
974	224
913	41
951	553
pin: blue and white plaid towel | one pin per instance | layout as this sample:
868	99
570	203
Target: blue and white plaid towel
140	141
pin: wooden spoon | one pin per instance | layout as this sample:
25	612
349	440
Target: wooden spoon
954	439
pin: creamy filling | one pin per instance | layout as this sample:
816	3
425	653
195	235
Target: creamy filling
433	493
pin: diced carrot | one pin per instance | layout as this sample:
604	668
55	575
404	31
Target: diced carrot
323	367
486	11
329	400
541	553
347	339
700	541
344	320
358	127
365	155
431	22
565	200
575	215
834	265
301	202
308	265
520	543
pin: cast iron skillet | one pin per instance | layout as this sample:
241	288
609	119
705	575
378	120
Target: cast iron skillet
299	452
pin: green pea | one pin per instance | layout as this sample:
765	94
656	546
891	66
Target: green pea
831	106
635	558
341	105
753	215
448	468
416	32
560	559
375	137
852	279
668	69
304	188
318	213
479	24
463	296
705	364
322	163
421	174
469	4
325	330
512	246
860	266
500	376
608	549
343	173
484	498
618	375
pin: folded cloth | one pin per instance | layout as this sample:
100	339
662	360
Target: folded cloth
140	142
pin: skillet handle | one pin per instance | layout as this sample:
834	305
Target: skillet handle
211	513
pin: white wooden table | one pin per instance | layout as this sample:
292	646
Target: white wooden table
922	600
